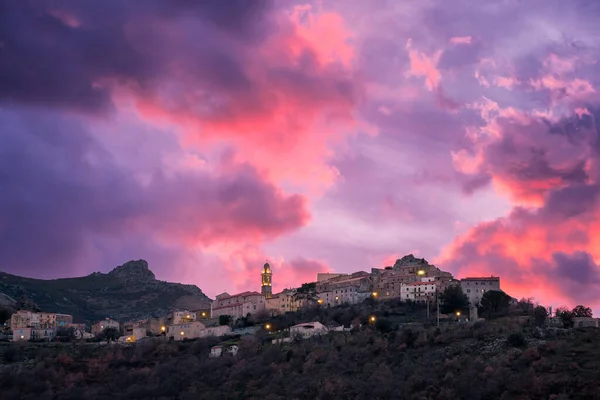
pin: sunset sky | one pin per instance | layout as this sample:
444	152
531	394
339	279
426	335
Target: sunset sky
207	137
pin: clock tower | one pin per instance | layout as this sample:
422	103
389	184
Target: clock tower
265	276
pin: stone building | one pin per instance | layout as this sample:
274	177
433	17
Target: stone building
475	287
392	281
238	305
283	302
100	326
345	289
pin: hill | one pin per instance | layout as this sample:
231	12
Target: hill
502	359
129	291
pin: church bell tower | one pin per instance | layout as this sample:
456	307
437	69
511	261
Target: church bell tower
265	276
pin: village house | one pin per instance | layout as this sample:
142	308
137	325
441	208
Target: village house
475	287
63	320
389	281
180	317
418	291
308	330
324	276
21	334
239	305
156	326
133	331
100	326
217	351
37	325
216	331
283	302
202	313
344	289
187	330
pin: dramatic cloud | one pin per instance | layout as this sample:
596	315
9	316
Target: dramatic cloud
548	249
61	189
209	136
242	72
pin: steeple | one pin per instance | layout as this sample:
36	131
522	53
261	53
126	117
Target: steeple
265	276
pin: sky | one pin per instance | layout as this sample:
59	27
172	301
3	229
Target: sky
207	137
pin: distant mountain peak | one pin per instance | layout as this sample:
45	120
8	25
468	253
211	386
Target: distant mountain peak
134	269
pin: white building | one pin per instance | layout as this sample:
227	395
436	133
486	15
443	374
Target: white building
418	291
239	305
217	351
308	330
475	287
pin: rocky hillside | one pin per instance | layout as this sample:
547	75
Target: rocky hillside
128	292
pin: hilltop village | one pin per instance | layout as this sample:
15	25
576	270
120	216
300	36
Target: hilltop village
410	279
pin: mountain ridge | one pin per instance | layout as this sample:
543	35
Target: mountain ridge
129	291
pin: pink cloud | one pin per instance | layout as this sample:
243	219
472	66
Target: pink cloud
422	65
461	40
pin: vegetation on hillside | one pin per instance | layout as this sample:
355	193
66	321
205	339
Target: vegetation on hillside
487	360
398	352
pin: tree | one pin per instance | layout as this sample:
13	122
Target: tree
540	314
224	319
4	315
307	293
566	317
65	334
494	303
526	305
453	299
383	325
582	312
110	333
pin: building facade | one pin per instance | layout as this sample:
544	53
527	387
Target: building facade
188	330
475	287
181	317
100	326
324	276
308	330
40	321
418	291
239	305
283	302
344	289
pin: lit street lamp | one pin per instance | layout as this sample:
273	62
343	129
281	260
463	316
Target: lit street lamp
372	319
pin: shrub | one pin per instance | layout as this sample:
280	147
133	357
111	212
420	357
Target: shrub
540	314
516	339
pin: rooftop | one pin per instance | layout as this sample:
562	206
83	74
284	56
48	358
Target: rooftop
485	278
224	296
